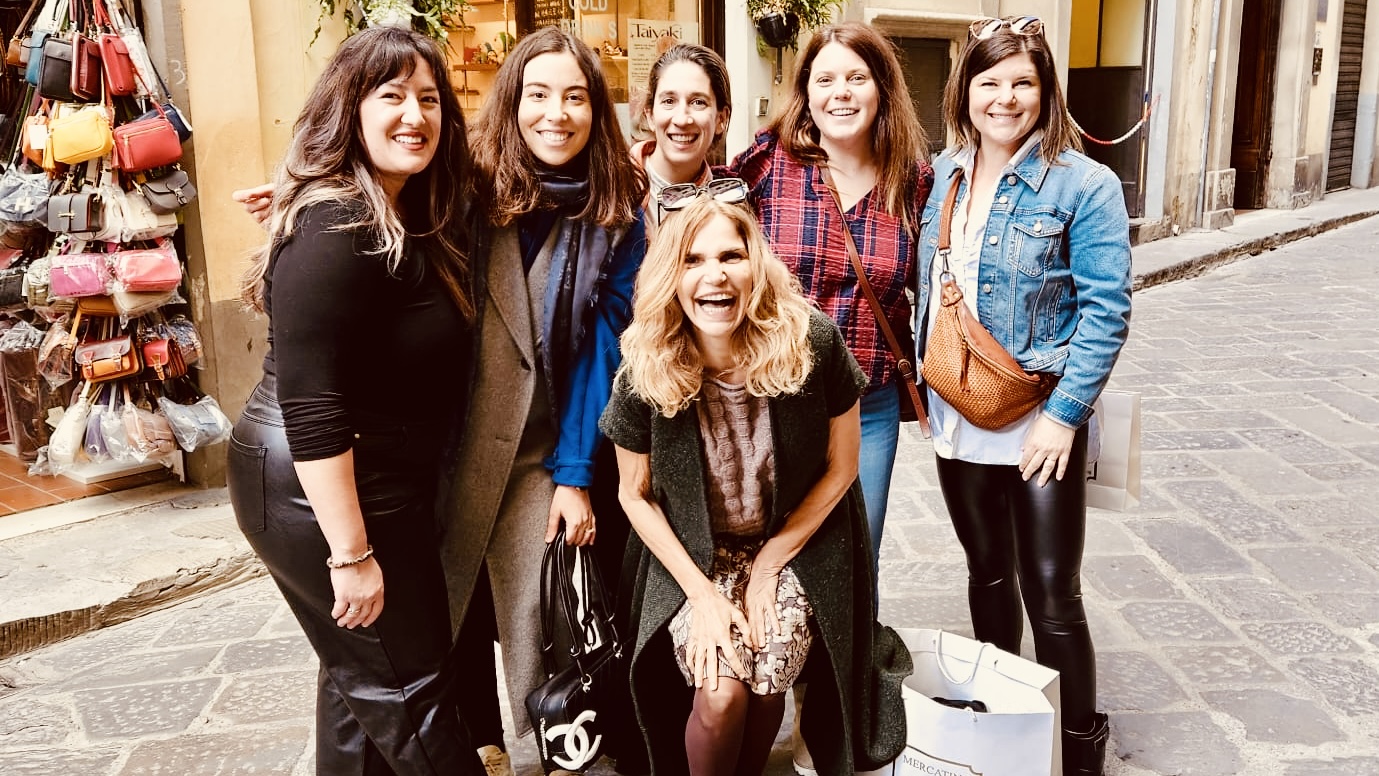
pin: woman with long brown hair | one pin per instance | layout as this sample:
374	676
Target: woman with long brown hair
333	481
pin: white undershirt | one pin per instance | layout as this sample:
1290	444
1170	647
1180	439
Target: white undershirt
954	436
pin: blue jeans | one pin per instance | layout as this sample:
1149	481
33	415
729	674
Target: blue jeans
880	435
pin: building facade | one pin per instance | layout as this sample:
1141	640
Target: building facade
1251	103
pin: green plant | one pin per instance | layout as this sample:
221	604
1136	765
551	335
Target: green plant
811	13
431	17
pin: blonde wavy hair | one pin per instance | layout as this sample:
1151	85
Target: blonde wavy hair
661	360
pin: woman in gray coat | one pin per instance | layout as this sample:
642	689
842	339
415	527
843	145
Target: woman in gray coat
736	424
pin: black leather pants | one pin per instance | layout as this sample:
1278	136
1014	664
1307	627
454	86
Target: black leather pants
382	703
1024	540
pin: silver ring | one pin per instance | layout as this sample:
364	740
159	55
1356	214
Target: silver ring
352	610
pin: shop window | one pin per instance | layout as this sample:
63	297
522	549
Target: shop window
627	34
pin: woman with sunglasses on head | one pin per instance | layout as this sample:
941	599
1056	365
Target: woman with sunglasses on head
1041	253
561	251
735	419
849	125
332	480
689	103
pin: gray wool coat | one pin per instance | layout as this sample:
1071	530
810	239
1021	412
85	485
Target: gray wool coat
500	493
856	719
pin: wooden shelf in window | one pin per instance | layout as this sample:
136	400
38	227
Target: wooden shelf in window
475	66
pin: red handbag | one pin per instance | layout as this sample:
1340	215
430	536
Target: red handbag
164	358
147	269
115	61
86	68
147	143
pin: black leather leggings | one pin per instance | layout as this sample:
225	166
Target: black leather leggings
382	706
1024	540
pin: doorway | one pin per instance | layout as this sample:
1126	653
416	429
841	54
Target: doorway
926	63
1254	104
1342	154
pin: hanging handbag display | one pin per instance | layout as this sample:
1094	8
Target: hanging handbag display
147	269
24	196
80	214
141	221
116	65
963	363
911	404
198	424
169	193
148	433
55	69
15	55
570	711
79	274
146	143
165	359
86	68
80	135
108	359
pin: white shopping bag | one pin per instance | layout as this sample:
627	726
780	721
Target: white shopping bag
1018	735
1113	475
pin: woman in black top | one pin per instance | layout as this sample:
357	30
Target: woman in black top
332	472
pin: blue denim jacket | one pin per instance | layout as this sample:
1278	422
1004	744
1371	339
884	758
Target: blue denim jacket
1054	282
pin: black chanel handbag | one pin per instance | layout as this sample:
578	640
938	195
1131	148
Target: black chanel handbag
571	712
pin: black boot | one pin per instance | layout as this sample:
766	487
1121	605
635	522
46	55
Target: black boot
1085	753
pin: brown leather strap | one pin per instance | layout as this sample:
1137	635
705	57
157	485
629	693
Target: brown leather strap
23	28
904	364
945	219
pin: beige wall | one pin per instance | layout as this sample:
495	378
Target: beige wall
247	69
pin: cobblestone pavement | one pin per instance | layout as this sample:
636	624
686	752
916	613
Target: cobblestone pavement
1236	611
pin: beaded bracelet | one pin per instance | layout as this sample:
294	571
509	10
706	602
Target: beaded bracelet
332	563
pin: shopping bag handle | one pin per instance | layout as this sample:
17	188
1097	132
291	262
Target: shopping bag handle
943	669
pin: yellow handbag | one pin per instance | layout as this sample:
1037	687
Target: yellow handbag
81	135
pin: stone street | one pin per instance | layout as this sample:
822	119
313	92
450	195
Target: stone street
1235	611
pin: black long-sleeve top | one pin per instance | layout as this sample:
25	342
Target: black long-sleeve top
357	348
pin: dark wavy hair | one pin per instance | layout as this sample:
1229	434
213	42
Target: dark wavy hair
979	56
327	160
507	166
897	137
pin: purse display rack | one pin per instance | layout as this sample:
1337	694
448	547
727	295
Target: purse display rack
88	212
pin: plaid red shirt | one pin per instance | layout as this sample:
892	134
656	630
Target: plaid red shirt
801	222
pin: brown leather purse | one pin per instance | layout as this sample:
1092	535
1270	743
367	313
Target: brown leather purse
964	364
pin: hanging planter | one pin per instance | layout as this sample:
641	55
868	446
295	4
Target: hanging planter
779	29
435	18
779	22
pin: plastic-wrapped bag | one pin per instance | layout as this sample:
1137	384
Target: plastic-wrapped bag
188	339
196	425
68	439
94	443
112	430
150	435
55	351
20	337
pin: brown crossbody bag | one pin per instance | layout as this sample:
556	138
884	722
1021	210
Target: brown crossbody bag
911	406
963	363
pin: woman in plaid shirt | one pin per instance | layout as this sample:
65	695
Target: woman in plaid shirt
850	112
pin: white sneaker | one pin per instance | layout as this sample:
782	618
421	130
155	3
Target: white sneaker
496	761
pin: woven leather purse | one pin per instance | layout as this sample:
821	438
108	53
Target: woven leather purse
964	364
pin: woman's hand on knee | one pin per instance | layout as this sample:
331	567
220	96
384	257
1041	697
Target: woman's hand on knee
1046	450
711	622
760	604
358	594
571	505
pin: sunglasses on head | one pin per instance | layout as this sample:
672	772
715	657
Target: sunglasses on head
982	29
680	195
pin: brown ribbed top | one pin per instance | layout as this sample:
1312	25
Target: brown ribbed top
735	433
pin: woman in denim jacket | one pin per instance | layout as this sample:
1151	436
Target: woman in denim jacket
1040	248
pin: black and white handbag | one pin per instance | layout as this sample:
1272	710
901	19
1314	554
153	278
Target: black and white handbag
571	712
